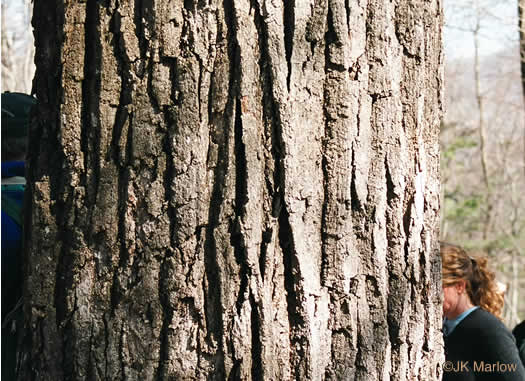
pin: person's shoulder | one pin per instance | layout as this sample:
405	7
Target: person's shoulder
483	324
482	317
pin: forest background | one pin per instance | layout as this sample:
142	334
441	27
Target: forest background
482	135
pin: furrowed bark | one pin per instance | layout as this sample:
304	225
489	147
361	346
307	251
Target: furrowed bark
237	189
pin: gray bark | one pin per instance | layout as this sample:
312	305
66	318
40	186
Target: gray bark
245	189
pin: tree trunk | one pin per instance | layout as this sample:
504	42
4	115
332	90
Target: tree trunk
482	129
245	189
17	47
521	29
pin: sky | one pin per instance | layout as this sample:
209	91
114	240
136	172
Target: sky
498	26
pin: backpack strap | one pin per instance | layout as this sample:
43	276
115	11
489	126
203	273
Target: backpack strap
12	208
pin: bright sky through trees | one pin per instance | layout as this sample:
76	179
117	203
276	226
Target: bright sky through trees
498	26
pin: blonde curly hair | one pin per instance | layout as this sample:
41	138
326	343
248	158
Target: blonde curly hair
481	286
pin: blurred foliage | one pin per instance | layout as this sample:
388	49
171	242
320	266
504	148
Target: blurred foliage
462	142
465	211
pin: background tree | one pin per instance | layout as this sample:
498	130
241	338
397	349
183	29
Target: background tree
483	203
17	46
234	190
521	30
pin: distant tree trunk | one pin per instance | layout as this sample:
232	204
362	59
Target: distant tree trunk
482	130
8	54
28	58
18	49
521	28
235	190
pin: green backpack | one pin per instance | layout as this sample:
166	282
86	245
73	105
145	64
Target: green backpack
16	109
16	112
10	206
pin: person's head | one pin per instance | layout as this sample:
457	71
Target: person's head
16	111
467	281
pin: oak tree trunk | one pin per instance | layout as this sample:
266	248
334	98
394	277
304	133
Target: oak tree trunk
244	190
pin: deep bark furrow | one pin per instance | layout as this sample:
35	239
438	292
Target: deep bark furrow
298	352
272	163
121	349
289	27
164	273
328	164
106	337
325	261
199	86
122	148
169	178
167	312
125	183
241	198
140	18
62	306
226	164
263	254
257	373
91	373
91	134
241	186
356	202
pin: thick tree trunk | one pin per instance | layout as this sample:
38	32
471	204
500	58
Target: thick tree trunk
246	189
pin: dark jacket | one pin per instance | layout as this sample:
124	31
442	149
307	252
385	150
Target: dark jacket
519	334
481	348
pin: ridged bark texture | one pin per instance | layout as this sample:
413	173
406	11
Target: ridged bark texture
236	189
